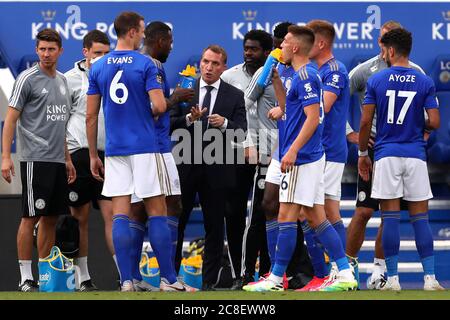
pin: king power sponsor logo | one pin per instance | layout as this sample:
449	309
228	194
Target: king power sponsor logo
70	25
441	30
349	34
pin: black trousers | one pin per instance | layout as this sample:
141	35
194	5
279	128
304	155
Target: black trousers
255	237
212	201
235	214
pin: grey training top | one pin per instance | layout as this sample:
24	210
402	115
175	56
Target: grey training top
265	99
238	77
44	103
78	81
358	82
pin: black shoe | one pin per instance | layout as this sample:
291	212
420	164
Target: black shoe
237	284
87	286
208	287
29	286
299	281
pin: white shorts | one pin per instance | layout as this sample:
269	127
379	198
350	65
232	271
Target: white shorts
304	184
396	177
142	174
273	174
171	174
332	180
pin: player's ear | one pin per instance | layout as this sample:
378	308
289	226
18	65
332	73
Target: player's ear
85	52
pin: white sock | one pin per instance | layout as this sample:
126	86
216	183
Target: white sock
379	266
84	273
25	270
115	261
275	278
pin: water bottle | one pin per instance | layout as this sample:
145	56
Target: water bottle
187	80
266	74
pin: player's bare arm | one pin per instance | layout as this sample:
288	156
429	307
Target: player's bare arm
329	98
434	121
12	115
364	163
92	110
70	168
312	113
159	105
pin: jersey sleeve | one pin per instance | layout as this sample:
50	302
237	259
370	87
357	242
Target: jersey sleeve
431	101
20	94
308	91
153	80
370	97
93	84
334	82
357	81
254	91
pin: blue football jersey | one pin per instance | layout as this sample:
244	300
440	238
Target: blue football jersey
163	123
123	79
400	95
305	90
286	74
335	79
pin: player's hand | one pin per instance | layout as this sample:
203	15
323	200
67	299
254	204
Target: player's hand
71	172
426	136
196	113
251	155
97	169
8	169
353	137
364	167
275	113
182	95
288	161
216	120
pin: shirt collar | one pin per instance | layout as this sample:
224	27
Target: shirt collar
215	84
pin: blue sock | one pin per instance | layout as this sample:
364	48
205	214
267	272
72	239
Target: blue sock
173	226
424	241
391	241
340	229
159	236
315	251
122	244
137	231
287	239
328	236
272	237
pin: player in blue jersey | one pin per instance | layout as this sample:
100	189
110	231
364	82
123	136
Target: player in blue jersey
128	83
302	164
399	96
157	45
336	100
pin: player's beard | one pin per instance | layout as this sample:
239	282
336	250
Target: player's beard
388	62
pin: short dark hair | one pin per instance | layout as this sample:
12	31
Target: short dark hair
281	30
49	35
217	49
304	34
400	39
95	36
126	21
264	38
156	30
322	27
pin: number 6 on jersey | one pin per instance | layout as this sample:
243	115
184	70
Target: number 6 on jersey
115	86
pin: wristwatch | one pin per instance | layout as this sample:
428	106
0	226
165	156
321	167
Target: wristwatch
363	153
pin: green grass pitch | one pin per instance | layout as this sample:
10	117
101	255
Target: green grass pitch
231	295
